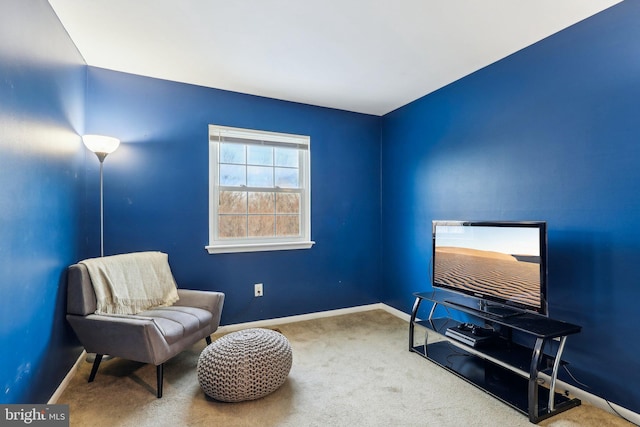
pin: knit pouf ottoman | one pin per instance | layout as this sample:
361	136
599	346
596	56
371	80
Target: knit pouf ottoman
244	365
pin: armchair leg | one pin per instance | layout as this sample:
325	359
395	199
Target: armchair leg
94	369
208	339
159	374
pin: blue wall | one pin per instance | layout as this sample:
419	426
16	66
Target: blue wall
550	133
42	89
156	194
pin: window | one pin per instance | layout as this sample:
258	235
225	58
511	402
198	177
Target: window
259	191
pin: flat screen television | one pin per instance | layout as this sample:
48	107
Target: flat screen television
502	265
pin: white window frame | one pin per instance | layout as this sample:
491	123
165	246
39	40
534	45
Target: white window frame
217	134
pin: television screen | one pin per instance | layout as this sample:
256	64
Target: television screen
503	262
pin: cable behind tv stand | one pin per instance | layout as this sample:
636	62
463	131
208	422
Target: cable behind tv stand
503	368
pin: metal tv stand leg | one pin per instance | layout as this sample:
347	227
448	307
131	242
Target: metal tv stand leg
534	414
533	380
414	312
554	374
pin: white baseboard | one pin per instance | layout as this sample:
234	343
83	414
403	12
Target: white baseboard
67	379
560	385
299	318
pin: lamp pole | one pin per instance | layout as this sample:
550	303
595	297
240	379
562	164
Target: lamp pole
101	157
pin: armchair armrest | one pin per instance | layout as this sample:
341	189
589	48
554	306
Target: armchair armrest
129	337
207	300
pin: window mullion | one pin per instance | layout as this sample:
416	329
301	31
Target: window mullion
275	198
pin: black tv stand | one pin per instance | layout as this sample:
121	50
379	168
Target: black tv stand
493	310
504	368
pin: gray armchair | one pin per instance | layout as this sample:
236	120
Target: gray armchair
152	336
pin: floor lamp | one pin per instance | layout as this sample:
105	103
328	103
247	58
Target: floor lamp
102	146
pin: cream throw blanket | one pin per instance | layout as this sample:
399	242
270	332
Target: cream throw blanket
131	283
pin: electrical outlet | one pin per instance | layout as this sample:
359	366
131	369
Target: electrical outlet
257	290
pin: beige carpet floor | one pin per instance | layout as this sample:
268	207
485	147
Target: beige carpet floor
348	370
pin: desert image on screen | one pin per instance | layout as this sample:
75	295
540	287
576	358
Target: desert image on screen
511	277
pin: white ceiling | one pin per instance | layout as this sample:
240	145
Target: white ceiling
368	56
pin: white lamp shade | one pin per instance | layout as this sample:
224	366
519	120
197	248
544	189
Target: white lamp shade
101	143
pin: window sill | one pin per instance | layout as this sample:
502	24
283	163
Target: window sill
258	247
